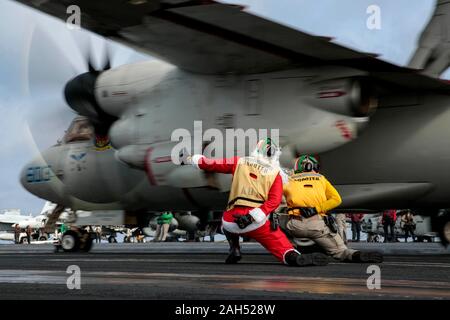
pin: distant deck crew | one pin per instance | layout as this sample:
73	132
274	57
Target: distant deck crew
256	191
408	225
356	219
98	234
28	231
388	220
17	231
309	197
163	224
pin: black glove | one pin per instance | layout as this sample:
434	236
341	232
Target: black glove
243	221
331	223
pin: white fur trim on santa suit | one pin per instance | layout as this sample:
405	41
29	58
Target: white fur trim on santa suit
284	254
234	228
257	214
284	177
196	159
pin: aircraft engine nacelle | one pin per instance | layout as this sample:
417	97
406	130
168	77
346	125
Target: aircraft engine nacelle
352	97
328	132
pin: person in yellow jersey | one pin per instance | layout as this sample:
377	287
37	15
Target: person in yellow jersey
309	197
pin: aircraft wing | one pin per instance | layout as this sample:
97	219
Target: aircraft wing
205	36
381	195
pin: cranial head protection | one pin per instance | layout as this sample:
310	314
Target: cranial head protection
306	163
268	150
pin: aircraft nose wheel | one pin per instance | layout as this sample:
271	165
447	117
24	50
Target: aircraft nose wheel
70	241
73	241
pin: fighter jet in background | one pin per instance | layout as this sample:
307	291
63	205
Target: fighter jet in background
8	218
380	129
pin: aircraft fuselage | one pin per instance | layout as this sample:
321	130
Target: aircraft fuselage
403	143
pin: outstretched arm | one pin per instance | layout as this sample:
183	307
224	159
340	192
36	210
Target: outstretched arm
226	165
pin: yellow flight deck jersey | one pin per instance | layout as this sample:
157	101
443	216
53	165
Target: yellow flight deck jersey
311	189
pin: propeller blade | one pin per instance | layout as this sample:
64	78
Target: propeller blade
107	63
54	64
91	66
54	60
45	111
45	131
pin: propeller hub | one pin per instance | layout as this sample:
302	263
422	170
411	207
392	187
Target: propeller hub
80	94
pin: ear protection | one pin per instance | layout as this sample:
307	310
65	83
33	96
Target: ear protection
267	148
270	148
306	163
307	166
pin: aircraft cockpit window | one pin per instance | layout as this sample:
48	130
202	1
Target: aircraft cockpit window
79	130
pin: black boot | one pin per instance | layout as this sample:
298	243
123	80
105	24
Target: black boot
367	256
235	250
234	256
308	259
312	259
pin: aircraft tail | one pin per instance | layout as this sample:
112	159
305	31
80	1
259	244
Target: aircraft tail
433	53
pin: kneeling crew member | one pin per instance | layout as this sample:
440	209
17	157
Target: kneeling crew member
309	196
256	191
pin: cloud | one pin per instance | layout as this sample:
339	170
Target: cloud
39	55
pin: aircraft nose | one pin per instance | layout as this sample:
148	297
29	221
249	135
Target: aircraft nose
33	173
38	178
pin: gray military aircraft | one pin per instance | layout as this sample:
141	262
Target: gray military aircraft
379	128
8	218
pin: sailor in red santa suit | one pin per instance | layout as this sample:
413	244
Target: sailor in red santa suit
256	191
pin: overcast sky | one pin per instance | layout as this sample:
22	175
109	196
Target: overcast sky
38	55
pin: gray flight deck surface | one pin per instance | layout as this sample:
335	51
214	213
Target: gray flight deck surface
197	271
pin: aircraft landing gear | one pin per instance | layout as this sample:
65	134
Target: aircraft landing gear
70	241
76	240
